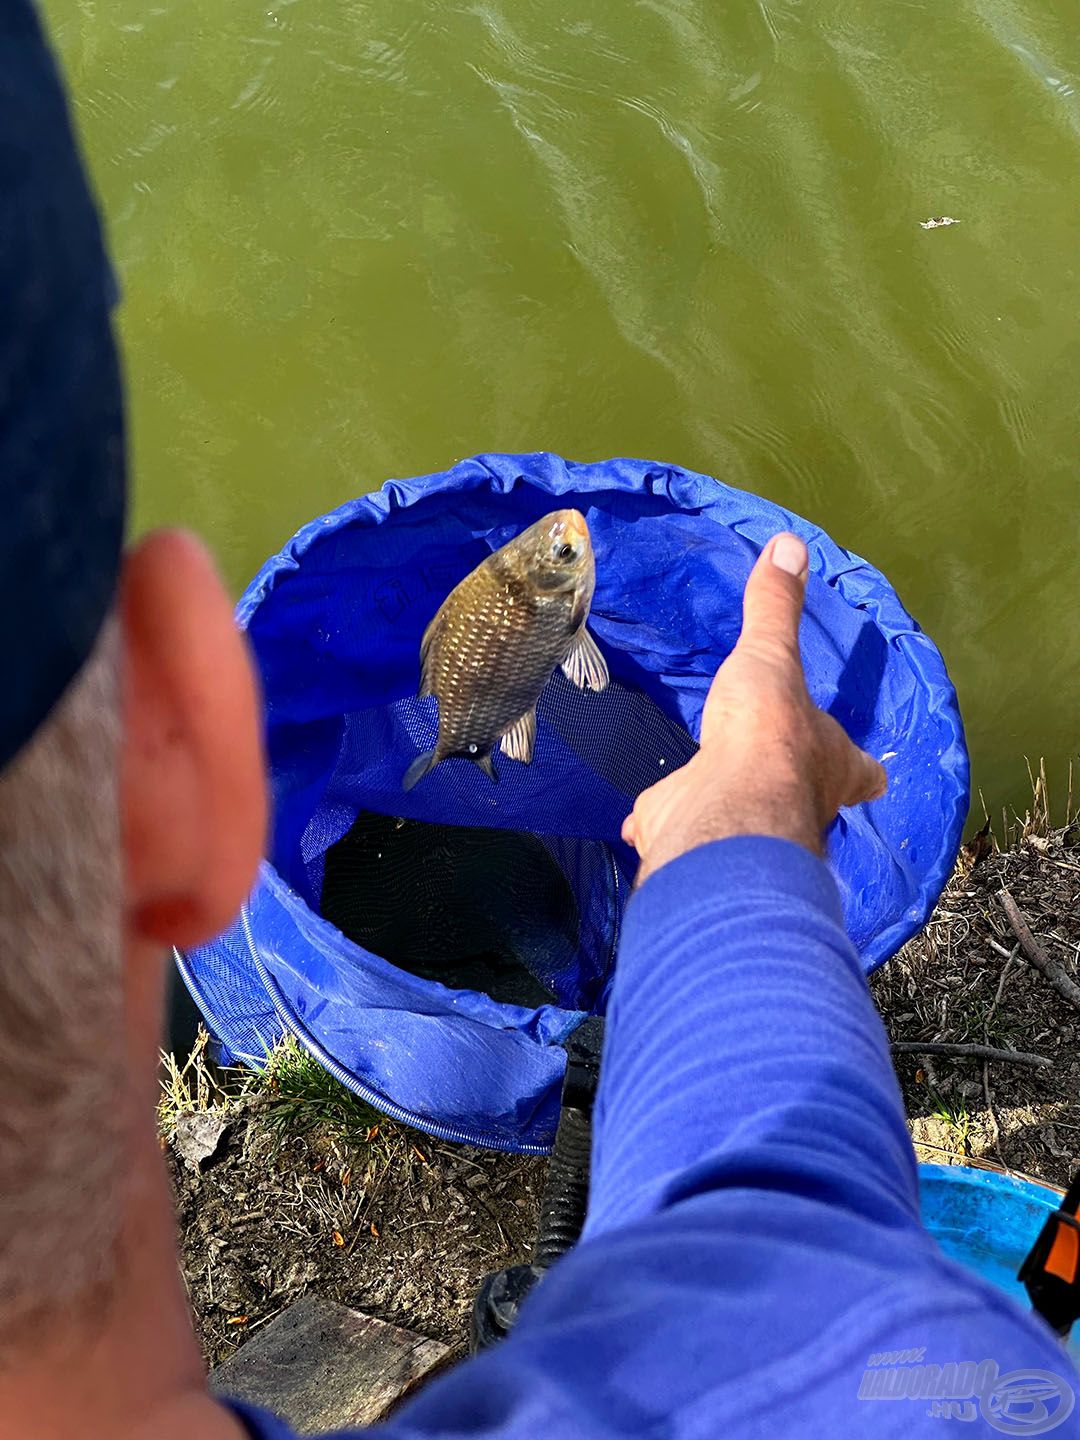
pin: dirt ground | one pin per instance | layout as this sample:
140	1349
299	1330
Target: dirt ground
398	1227
391	1223
954	984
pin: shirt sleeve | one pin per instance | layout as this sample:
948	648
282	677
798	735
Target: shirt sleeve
742	1045
753	1261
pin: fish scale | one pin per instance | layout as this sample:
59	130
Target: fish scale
489	674
497	637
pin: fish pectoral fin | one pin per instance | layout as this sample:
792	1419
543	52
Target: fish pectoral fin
418	769
519	740
585	667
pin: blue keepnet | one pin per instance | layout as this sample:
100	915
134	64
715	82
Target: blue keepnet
335	620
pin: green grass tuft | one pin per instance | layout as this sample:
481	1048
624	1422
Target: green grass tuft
298	1096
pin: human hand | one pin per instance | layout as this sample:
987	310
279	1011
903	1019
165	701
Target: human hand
770	763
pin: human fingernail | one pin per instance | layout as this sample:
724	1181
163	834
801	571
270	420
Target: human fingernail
789	554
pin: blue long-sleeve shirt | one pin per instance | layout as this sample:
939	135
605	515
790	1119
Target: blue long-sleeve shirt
753	1247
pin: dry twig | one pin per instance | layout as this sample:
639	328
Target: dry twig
991	1113
981	1052
1054	971
995	1128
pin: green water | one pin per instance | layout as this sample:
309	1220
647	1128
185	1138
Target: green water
364	238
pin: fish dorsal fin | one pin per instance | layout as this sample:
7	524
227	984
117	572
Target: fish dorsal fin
585	667
519	740
427	653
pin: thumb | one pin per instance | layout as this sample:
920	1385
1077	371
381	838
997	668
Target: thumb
773	601
865	778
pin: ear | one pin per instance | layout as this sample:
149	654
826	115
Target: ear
193	787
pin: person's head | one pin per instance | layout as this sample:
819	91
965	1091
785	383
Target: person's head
132	819
132	805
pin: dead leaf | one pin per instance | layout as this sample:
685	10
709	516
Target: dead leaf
339	1239
374	1229
975	851
346	1177
420	1155
1049	1137
372	1132
237	1320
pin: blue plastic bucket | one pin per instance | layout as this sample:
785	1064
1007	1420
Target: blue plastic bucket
987	1222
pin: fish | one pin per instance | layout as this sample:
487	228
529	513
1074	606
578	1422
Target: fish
498	637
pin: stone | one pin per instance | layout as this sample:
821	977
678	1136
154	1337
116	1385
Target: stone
196	1137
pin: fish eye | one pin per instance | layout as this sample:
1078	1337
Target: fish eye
565	552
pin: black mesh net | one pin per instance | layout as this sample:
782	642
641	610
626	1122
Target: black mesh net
474	909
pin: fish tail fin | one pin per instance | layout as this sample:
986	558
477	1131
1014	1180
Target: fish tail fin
418	769
487	764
